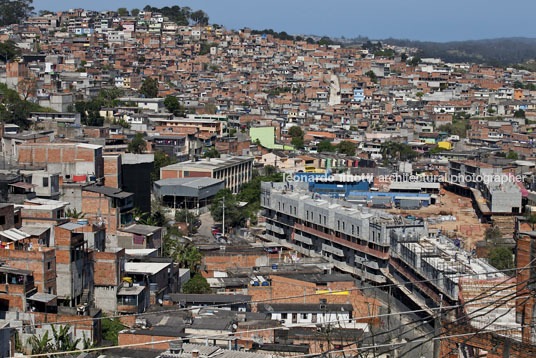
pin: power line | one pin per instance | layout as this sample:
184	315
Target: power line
403	343
234	333
297	356
469	317
495	320
528	265
472	300
423	320
184	309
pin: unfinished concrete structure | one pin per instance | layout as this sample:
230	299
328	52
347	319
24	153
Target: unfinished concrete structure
355	239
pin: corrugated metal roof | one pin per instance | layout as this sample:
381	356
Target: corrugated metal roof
14	234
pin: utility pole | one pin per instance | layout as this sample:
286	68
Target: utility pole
437	329
223	220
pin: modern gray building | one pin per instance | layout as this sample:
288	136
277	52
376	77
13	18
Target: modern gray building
355	239
234	171
191	193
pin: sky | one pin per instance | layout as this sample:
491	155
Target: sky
425	20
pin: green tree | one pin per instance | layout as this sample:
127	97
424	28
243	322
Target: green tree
63	339
211	108
161	159
372	76
197	284
493	235
149	88
415	60
397	151
135	12
295	131
519	113
297	137
347	148
155	218
122	11
325	41
138	144
211	153
325	146
41	344
512	155
501	258
436	150
14	11
185	255
8	50
15	110
298	142
173	105
200	17
110	329
234	216
186	216
251	192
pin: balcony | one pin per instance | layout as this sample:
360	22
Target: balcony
16	281
332	250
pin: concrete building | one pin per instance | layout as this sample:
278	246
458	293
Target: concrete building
109	270
437	260
153	104
155	276
107	206
191	193
138	236
294	314
494	192
68	119
74	265
234	171
201	126
136	178
75	161
355	239
47	185
176	146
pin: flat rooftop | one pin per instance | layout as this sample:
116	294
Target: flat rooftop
210	163
150	268
140	229
188	182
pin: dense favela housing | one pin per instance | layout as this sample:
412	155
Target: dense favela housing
174	188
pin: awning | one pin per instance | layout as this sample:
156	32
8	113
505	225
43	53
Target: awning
42	297
23	185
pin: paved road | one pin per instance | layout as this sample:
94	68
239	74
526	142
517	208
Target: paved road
204	233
